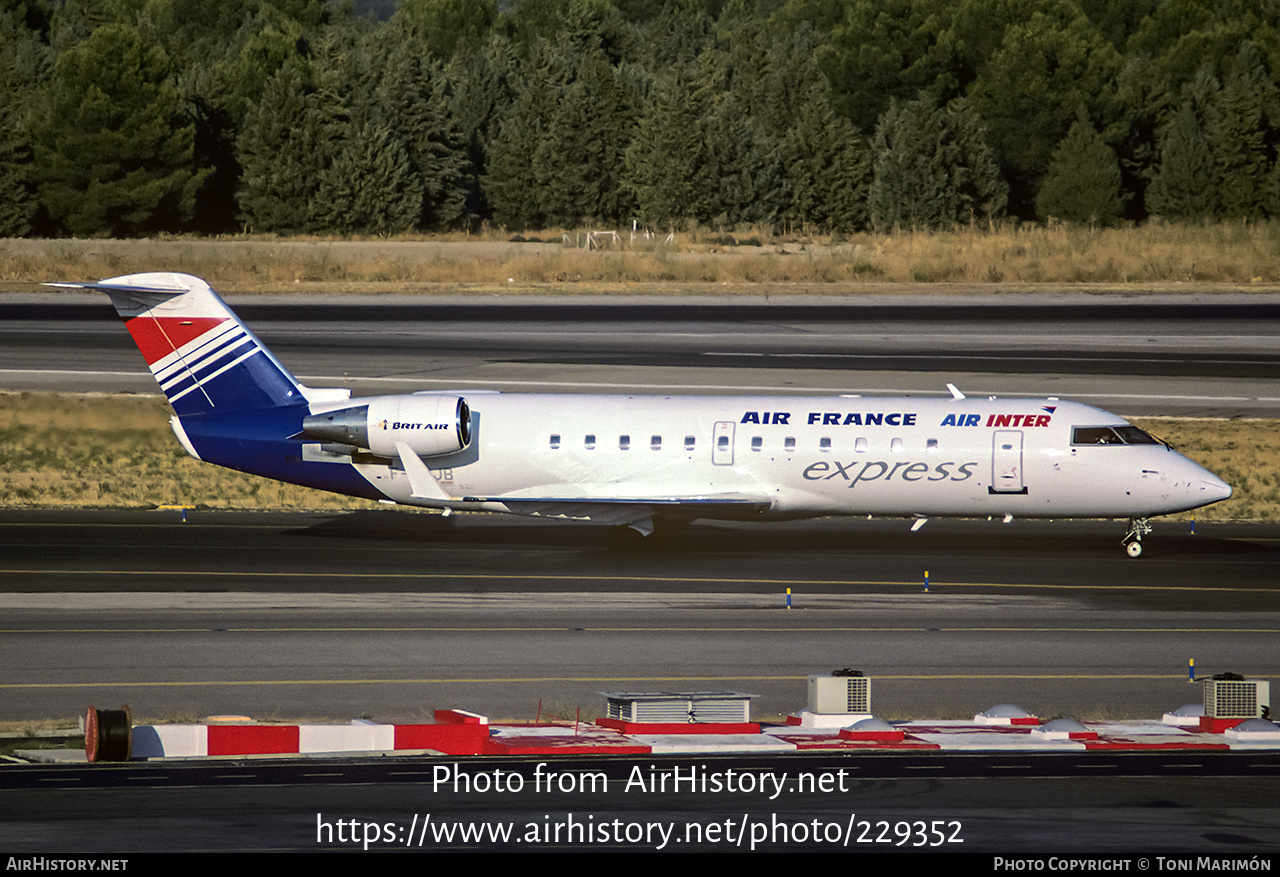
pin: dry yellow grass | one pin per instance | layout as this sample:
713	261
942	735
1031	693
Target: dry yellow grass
96	451
1235	254
1230	253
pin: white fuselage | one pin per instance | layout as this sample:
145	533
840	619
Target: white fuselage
806	456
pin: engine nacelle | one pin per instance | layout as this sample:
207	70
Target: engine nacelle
430	425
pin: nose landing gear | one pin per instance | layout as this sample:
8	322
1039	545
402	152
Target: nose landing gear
1132	541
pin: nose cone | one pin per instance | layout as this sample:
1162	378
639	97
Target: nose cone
1204	488
1215	489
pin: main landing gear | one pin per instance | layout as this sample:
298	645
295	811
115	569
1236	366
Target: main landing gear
1132	541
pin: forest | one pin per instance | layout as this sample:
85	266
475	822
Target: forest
130	118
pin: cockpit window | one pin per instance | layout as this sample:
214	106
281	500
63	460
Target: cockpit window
1134	436
1112	435
1095	435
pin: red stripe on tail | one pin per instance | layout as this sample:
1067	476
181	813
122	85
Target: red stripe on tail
157	337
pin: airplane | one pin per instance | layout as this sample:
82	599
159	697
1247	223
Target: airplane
640	462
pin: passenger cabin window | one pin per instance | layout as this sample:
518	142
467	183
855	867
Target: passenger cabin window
860	444
789	443
757	443
688	443
824	444
555	442
723	443
895	446
655	442
931	446
624	442
590	442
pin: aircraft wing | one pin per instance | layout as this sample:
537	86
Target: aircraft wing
597	503
603	509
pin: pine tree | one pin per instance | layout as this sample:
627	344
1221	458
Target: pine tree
510	186
908	187
413	100
827	168
370	188
285	149
579	162
665	159
479	90
17	204
674	38
1083	183
1148	105
1027	92
1185	184
744	161
442	27
260	47
113	155
932	167
975	190
17	198
1272	199
1238	131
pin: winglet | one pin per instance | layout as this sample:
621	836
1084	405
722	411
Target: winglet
955	392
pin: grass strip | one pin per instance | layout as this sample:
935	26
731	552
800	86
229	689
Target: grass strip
1224	254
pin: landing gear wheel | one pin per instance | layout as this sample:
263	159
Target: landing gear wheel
1132	541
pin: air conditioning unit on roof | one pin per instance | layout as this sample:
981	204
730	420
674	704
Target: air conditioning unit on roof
1230	696
686	707
840	694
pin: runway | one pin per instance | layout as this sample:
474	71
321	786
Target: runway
393	615
1205	355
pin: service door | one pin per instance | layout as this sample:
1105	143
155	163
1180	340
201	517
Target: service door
1006	462
722	443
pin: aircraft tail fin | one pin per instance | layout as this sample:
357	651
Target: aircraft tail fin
200	353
